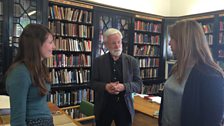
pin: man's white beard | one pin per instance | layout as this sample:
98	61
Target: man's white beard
116	52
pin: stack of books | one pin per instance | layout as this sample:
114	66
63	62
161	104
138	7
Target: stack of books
4	110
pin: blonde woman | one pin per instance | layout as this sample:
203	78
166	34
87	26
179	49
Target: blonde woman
194	93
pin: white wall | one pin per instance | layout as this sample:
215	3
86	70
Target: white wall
167	7
158	7
187	7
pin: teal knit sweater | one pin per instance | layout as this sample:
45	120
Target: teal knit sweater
25	100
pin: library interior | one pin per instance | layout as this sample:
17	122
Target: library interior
148	31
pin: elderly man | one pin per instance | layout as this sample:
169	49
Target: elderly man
115	77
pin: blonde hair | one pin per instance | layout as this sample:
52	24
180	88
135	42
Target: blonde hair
191	46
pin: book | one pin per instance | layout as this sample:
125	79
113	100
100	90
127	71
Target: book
5	102
5	109
156	99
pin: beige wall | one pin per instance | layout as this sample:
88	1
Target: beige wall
187	7
158	7
167	7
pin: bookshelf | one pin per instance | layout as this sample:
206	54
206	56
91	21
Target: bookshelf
220	45
148	49
209	25
212	25
70	66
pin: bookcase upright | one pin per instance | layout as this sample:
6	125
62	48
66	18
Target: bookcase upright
70	66
147	48
220	45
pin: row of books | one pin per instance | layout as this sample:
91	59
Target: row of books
71	29
63	60
209	38
148	62
208	28
146	39
221	25
65	76
74	113
67	44
221	53
67	98
146	50
221	38
152	89
149	73
147	26
70	14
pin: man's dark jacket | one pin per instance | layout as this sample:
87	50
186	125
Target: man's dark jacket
101	75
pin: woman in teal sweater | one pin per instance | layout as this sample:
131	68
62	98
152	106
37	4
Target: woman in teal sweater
27	81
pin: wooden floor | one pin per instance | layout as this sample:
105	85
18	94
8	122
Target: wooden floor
139	120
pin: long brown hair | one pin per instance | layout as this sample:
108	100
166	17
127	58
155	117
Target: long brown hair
30	42
191	47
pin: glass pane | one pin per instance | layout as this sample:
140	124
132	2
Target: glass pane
105	22
25	4
24	20
17	30
32	13
122	25
18	11
33	3
25	12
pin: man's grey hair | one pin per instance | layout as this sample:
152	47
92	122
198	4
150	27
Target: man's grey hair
111	31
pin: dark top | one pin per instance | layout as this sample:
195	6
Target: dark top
116	75
203	98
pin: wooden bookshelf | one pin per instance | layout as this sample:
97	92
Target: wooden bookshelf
220	44
70	66
148	47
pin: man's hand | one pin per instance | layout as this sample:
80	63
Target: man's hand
114	87
110	88
119	87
